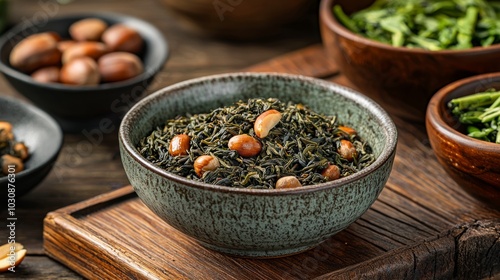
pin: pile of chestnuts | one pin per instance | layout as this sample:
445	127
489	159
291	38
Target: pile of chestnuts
96	53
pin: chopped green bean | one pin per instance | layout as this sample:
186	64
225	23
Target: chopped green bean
432	25
466	27
475	100
481	113
344	19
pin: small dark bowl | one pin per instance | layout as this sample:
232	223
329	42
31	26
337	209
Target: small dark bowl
401	79
473	164
78	103
43	137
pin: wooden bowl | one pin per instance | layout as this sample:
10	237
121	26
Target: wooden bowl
473	164
401	79
237	19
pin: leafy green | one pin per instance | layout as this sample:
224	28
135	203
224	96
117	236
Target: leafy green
431	25
481	113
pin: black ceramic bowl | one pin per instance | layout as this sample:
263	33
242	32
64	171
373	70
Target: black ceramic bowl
43	137
77	103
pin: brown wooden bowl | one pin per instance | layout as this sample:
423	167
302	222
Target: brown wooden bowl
237	19
401	79
473	164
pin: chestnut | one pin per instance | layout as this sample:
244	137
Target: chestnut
119	66
80	71
65	44
89	29
90	49
35	51
120	37
47	74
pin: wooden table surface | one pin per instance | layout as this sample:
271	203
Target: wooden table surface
78	176
431	223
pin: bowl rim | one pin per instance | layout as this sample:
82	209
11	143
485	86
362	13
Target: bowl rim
386	123
149	72
327	17
58	136
437	105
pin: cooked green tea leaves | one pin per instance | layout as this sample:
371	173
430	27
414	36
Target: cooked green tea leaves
224	148
431	25
480	112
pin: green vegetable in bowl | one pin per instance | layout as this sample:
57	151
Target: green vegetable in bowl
481	113
431	25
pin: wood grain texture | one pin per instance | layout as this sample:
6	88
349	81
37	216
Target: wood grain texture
423	226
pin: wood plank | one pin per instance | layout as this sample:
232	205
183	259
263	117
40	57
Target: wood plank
456	254
116	234
293	63
40	267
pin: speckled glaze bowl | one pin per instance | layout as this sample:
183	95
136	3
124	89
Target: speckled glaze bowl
253	222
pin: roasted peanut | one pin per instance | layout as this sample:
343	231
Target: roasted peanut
179	145
300	106
11	160
119	66
35	51
288	182
6	248
11	255
265	122
5	126
80	71
245	145
5	132
47	74
347	150
89	29
348	130
331	172
205	163
20	151
90	49
120	37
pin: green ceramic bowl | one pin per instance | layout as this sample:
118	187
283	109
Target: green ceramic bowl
252	222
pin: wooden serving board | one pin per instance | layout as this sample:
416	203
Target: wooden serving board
422	226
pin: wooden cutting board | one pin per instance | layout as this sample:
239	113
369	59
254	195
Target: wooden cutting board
422	225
